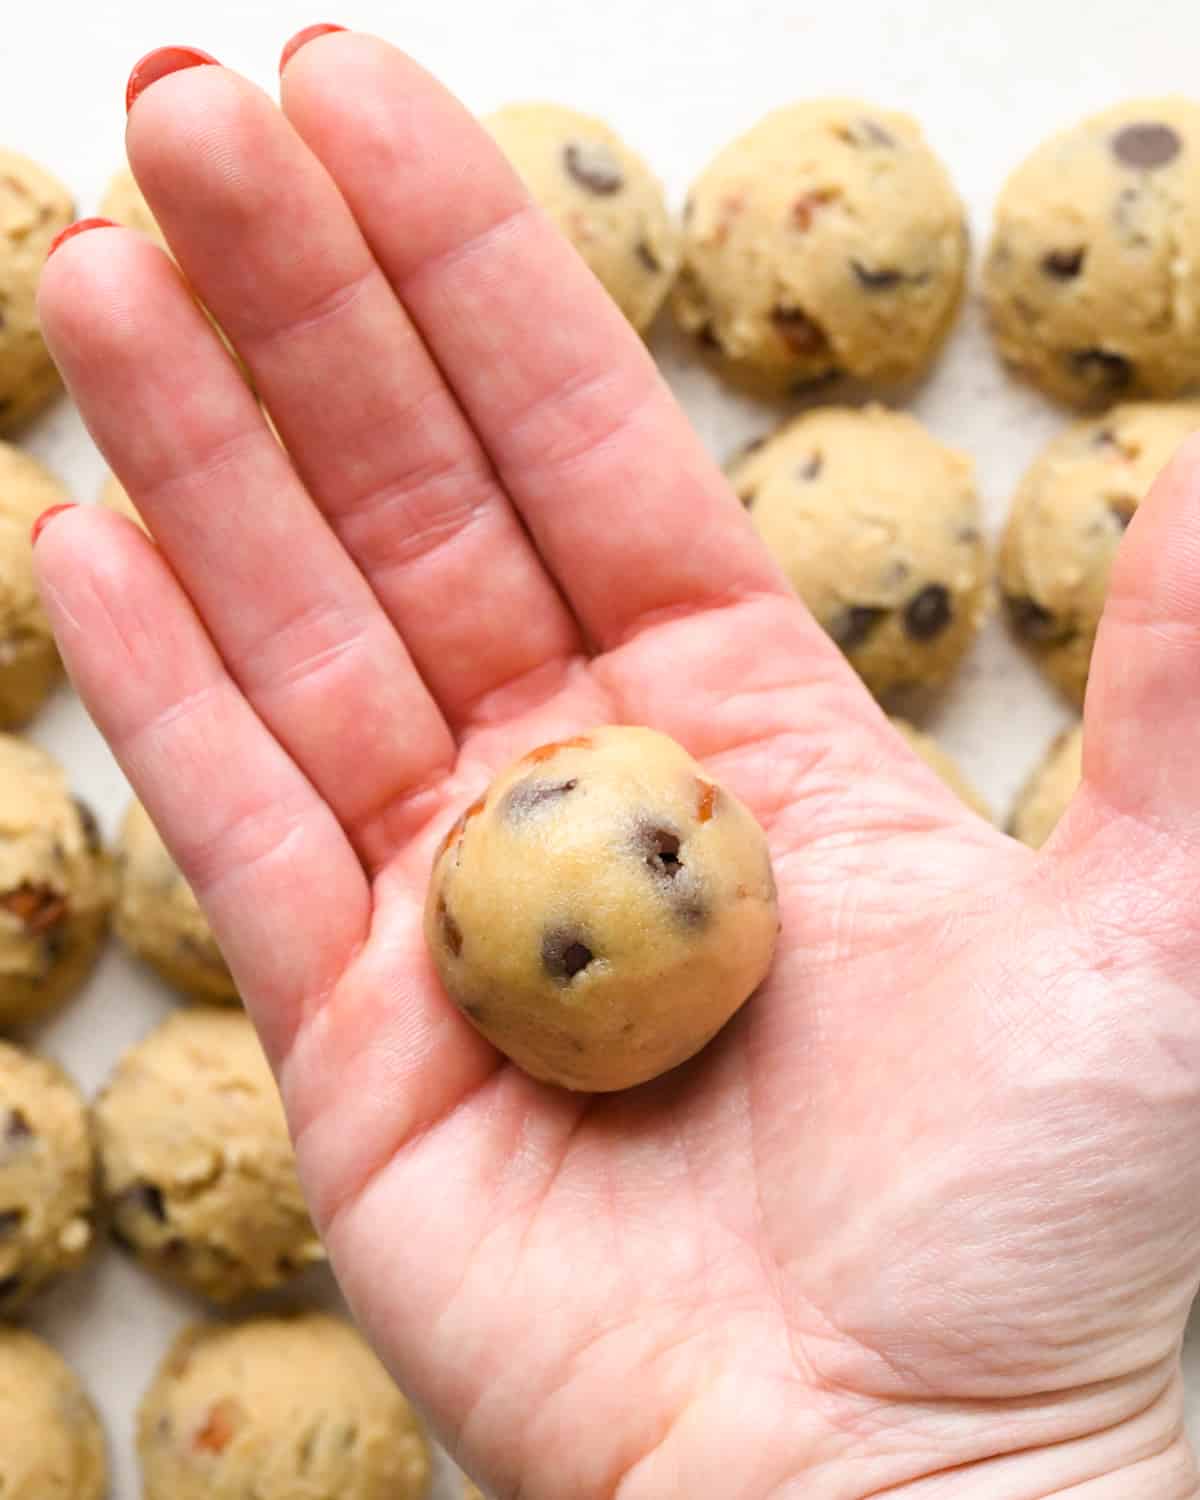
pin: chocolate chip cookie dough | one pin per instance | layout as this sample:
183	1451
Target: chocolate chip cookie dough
29	664
603	909
1046	795
278	1406
877	526
158	917
826	240
195	1160
1068	517
124	204
34	207
944	764
45	1177
52	1448
1092	275
602	196
55	885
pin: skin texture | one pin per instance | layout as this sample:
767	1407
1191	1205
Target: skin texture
29	664
34	206
53	1447
924	1220
124	203
1047	794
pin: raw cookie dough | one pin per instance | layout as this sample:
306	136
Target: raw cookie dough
290	1407
115	496
877	526
195	1160
1068	517
945	765
827	240
1092	276
601	195
29	664
603	909
1044	797
34	207
158	918
471	1491
52	1447
124	204
45	1177
55	885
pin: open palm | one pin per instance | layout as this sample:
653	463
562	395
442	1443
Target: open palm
925	1219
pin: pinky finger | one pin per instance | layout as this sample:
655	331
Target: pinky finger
287	898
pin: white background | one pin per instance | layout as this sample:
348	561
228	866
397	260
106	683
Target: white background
678	77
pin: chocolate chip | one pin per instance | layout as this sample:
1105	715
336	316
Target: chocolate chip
798	331
143	1197
564	954
1101	368
647	257
1034	621
928	613
706	336
968	535
17	1127
873	280
91	828
854	624
1063	264
11	1220
811	467
39	907
1146	145
530	796
451	931
689	208
1122	510
867	132
594	167
9	1285
661	850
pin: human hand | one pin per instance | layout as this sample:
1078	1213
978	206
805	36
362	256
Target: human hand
925	1219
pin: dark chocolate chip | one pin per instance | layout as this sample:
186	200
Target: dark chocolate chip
1034	621
1105	438
11	1220
1101	368
451	931
968	535
706	336
91	828
144	1197
876	280
1064	264
8	1285
1122	511
594	167
647	257
661	850
811	467
564	954
530	796
928	613
798	331
1147	145
17	1127
854	624
867	132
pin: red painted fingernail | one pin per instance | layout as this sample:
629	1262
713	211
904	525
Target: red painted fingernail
80	226
302	39
46	516
158	64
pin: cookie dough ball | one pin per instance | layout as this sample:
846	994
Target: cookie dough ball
29	664
195	1160
53	1447
1068	517
34	207
603	909
45	1177
115	496
877	526
1092	277
1045	796
827	240
944	764
55	885
124	204
601	195
278	1406
471	1491
158	917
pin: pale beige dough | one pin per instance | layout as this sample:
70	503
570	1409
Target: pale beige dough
603	910
282	1409
1067	520
601	194
1092	276
1045	796
826	240
471	1491
29	664
114	495
51	1443
195	1160
34	207
944	764
125	204
55	885
877	526
158	917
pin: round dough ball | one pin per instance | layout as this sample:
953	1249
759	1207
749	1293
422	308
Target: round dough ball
53	1446
55	885
1068	517
1044	797
877	526
1092	276
278	1406
195	1159
158	917
124	204
601	194
45	1176
603	909
29	664
827	240
34	208
944	764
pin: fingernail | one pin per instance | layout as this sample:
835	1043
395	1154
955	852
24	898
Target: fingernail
79	227
302	39
158	64
46	517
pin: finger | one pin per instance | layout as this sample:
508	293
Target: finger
374	432
245	826
294	621
625	506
